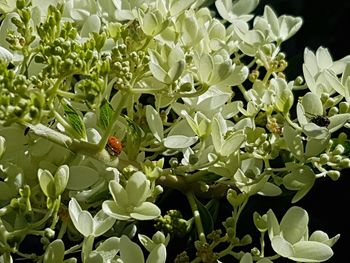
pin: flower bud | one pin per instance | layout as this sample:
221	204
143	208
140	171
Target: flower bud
324	158
345	163
336	158
299	81
339	149
344	107
333	174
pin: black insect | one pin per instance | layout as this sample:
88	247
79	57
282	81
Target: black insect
320	120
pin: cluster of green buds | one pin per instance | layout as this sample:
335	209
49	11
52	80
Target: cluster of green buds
336	158
20	101
172	223
127	66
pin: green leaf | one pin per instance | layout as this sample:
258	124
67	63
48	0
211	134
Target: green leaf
134	137
106	114
155	123
206	218
74	120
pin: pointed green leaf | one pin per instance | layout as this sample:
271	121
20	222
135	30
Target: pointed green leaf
74	120
106	113
206	217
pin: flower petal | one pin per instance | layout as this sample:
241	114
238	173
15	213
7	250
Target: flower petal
146	211
114	210
118	193
137	189
294	224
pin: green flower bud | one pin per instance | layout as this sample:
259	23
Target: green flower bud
344	107
49	233
25	15
231	233
174	162
20	4
324	158
255	251
158	238
336	158
333	174
203	186
345	163
342	136
333	111
246	240
324	97
339	149
299	81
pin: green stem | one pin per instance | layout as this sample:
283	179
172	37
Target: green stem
87	247
196	216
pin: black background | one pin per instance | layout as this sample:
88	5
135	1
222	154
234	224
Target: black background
327	24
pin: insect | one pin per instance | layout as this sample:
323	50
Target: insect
320	120
114	146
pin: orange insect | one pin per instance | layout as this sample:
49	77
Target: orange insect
114	146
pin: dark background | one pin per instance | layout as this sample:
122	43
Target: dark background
327	24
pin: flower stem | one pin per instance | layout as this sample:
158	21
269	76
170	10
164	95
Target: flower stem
196	215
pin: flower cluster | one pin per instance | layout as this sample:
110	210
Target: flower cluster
197	103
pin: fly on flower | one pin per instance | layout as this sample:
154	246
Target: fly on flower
320	120
114	146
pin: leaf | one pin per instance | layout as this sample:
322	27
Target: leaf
155	123
206	218
74	120
106	114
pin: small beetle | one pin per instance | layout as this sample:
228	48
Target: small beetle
114	146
